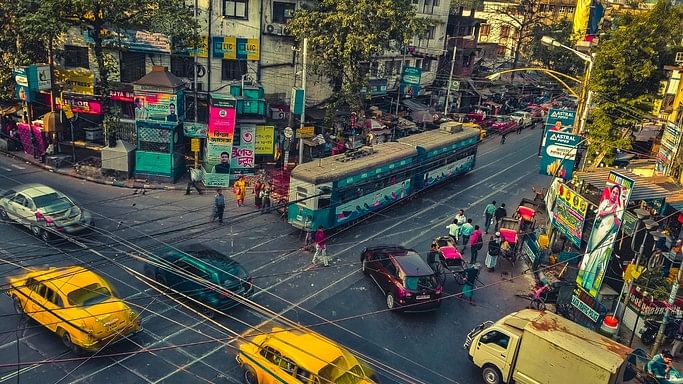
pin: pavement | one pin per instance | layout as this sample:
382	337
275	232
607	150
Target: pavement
179	346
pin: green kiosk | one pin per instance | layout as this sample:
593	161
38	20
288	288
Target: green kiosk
159	114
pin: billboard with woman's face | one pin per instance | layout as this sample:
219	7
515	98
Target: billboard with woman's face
613	202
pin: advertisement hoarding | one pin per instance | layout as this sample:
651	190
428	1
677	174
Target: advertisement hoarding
221	129
265	139
558	155
159	106
569	214
410	81
243	150
608	218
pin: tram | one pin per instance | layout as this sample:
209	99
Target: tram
340	189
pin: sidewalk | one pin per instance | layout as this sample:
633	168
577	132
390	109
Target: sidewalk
71	171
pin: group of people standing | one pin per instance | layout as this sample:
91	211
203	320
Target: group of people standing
261	197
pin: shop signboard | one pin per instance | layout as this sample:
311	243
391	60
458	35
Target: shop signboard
39	78
76	80
84	105
265	139
559	153
569	214
235	48
628	223
243	150
121	95
615	197
671	140
220	132
132	40
195	130
22	90
410	81
159	106
305	132
202	51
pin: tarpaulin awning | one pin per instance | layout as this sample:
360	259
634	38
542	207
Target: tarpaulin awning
645	187
414	105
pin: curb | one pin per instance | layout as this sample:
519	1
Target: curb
113	183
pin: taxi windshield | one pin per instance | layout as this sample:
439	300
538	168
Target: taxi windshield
89	295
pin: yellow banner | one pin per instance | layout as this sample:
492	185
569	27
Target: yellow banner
253	49
574	200
305	132
76	80
265	139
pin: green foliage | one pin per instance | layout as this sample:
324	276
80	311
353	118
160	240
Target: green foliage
629	65
345	35
551	57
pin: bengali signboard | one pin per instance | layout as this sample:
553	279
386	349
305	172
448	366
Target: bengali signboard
608	218
22	90
265	139
559	153
80	104
569	214
195	130
243	150
221	130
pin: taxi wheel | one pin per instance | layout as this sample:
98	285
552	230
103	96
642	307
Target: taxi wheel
45	235
35	230
17	306
3	214
391	301
66	340
250	375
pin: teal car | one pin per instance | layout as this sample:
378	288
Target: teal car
203	274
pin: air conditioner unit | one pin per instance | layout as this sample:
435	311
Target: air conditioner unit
275	29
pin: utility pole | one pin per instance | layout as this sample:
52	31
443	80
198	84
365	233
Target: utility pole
667	314
450	78
400	80
303	104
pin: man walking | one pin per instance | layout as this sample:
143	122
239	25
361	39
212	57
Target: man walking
500	213
320	247
466	231
195	178
460	218
218	206
454	231
476	243
489	210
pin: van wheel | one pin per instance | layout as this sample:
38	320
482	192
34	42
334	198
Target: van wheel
250	375
491	375
391	301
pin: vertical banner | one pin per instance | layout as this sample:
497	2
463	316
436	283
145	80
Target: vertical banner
265	140
221	129
613	203
559	153
243	150
410	81
569	214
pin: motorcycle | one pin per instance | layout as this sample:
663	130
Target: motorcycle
651	327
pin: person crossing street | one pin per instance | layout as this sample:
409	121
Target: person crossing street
488	215
320	247
218	206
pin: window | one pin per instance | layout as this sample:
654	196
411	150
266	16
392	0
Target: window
418	63
428	7
430	32
191	269
75	56
233	69
132	66
504	31
386	262
500	50
271	355
283	12
235	9
485	29
182	66
435	2
498	338
374	69
426	64
19	200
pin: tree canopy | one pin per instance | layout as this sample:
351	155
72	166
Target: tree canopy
345	35
629	66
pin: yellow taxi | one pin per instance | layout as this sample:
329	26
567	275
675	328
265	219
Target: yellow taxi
482	131
76	304
298	357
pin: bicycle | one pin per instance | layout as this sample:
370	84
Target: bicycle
536	298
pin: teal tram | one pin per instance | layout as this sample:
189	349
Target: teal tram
337	190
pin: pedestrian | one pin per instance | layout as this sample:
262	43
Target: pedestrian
678	341
265	198
240	189
454	231
466	231
658	368
258	198
218	206
471	275
493	252
320	247
499	214
502	137
489	210
195	179
519	127
476	243
433	256
460	217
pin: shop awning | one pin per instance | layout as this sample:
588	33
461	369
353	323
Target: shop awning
414	105
645	188
675	201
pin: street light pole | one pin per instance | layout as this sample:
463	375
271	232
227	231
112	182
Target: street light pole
400	79
303	104
450	78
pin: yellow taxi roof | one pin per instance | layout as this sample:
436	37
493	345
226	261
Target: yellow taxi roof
66	279
309	350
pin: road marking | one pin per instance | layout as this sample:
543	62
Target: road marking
17	166
7	169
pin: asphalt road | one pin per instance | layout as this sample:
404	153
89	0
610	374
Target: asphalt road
338	301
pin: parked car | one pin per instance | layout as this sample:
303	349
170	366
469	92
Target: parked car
482	131
202	273
297	356
406	280
43	210
76	304
503	124
522	118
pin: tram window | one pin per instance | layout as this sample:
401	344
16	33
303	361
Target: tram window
301	189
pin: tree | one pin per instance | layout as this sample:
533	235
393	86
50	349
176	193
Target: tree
628	68
550	57
345	35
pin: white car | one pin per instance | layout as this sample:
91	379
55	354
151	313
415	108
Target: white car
522	118
43	210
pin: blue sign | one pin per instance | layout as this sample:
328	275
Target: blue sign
561	120
558	155
410	81
22	89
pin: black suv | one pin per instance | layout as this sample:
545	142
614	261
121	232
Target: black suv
403	276
195	268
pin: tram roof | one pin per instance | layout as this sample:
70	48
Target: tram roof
437	138
331	168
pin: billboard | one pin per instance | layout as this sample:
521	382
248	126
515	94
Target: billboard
558	155
221	129
235	48
569	214
243	150
560	120
608	218
410	81
265	139
159	106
